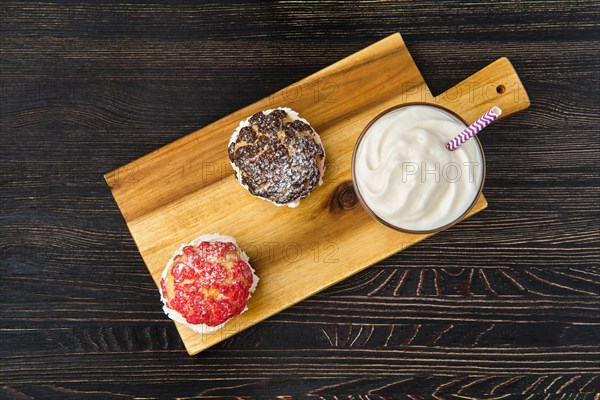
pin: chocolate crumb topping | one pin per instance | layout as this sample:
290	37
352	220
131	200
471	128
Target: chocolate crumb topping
278	157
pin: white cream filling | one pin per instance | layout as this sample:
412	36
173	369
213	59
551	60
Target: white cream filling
295	116
176	316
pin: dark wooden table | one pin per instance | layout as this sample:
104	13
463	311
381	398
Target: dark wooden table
504	305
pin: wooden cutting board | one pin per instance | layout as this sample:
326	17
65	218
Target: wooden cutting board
187	188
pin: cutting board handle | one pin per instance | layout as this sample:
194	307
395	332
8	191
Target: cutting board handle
496	84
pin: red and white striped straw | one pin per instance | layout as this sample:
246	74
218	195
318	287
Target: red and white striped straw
474	128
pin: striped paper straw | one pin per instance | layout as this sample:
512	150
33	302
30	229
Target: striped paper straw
474	128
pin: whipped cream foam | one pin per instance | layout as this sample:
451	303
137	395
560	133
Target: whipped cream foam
408	178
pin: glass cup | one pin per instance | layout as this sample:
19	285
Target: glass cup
406	178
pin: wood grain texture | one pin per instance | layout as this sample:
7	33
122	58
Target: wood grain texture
506	306
186	188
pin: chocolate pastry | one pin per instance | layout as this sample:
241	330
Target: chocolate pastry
277	156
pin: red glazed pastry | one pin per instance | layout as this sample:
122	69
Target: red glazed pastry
207	282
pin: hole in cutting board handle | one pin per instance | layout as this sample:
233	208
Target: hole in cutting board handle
500	89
